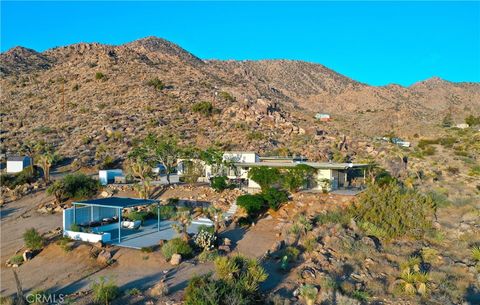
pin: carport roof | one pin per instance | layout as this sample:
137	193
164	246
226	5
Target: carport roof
116	202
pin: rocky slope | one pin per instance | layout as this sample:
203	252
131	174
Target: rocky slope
84	95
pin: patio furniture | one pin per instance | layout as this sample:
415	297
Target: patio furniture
131	224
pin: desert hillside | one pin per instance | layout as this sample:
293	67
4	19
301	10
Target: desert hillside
85	94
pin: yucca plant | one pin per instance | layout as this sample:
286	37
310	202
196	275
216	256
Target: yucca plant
309	293
407	281
476	253
421	281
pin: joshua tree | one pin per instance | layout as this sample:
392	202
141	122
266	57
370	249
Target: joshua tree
184	219
141	170
309	293
29	148
212	213
47	157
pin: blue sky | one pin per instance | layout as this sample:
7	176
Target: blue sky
373	42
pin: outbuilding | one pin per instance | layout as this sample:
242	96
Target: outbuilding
107	176
16	164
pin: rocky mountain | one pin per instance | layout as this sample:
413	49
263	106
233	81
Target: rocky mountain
88	95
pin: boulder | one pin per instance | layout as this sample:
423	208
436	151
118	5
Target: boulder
104	257
176	259
28	255
227	242
160	289
224	248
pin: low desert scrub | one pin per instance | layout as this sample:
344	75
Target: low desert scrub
308	293
33	240
64	244
176	246
104	290
16	259
236	281
156	83
390	211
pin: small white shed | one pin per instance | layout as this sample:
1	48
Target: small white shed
107	176
16	164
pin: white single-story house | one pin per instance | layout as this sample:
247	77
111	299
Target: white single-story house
324	117
16	164
462	126
107	176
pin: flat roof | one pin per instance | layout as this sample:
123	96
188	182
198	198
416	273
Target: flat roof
319	165
16	158
116	202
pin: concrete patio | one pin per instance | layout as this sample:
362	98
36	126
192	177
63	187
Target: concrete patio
148	234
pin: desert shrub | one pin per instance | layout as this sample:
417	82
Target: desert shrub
204	107
453	170
99	75
16	259
208	256
33	240
137	215
253	204
471	120
74	186
384	178
226	96
13	180
424	143
205	240
236	281
274	198
104	290
476	253
209	229
255	135
295	178
205	290
244	273
395	211
309	293
166	211
6	300
291	253
64	244
337	216
156	83
173	201
429	151
75	227
219	183
447	142
264	176
176	246
474	171
309	244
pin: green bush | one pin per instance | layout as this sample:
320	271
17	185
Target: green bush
16	259
253	204
264	176
99	75
12	181
395	211
75	227
275	198
135	215
295	178
209	229
219	183
64	244
33	240
74	186
204	107
176	246
166	211
104	291
474	171
338	216
156	83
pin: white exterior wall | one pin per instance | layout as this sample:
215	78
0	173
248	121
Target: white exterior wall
14	167
109	174
321	175
243	157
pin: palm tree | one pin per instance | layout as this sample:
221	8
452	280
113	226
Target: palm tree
183	219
